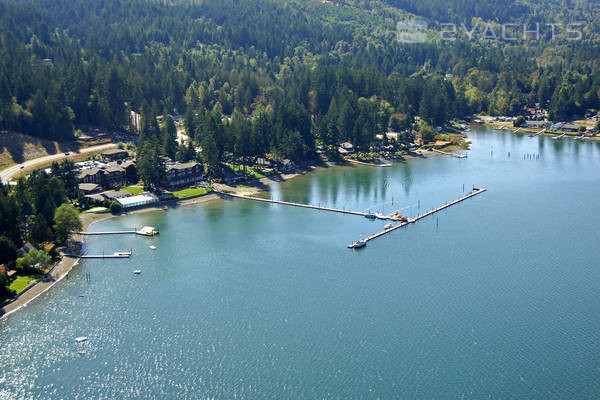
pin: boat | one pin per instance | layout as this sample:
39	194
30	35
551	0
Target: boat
81	339
81	352
388	226
147	231
370	216
381	216
152	247
358	244
137	271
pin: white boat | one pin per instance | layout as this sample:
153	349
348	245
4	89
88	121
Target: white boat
152	247
388	226
137	271
358	244
380	216
147	231
81	339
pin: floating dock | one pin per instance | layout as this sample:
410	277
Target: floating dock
475	192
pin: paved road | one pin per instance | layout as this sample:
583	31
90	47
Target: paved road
8	173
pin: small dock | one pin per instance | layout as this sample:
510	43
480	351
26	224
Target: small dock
287	203
559	136
538	133
118	254
144	231
107	233
516	131
475	192
450	154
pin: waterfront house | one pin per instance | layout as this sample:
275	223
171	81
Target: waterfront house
183	174
287	166
265	162
536	124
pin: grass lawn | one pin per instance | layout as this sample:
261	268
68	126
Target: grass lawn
189	192
22	282
134	189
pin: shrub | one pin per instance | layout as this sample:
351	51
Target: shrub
116	207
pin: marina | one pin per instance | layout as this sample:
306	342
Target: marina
265	301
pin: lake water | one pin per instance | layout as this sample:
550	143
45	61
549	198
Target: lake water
496	297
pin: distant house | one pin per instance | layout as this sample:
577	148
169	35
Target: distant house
564	126
536	124
183	174
265	162
10	274
346	148
287	166
115	154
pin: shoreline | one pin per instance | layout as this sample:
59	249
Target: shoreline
66	264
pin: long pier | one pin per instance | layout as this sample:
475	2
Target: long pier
107	233
475	192
119	254
287	203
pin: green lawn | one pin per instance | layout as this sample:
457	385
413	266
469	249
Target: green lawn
134	189
190	192
22	282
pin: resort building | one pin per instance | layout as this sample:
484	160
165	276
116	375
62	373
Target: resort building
183	174
139	200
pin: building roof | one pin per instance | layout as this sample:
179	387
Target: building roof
89	172
89	187
138	200
116	194
186	165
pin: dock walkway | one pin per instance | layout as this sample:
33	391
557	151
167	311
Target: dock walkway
287	203
475	192
107	233
450	154
119	254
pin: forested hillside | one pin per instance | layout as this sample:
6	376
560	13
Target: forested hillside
307	71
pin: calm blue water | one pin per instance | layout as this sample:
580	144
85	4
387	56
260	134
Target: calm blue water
496	297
